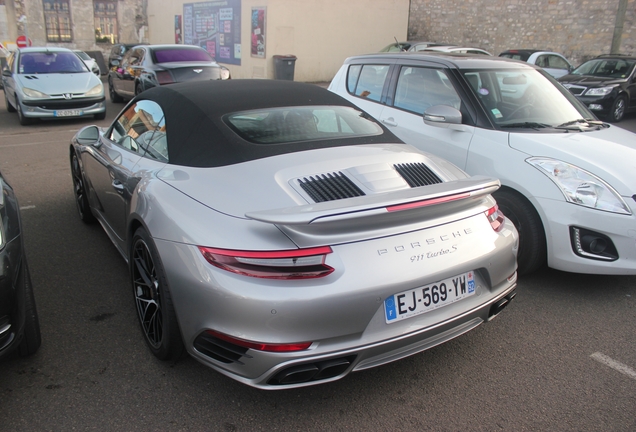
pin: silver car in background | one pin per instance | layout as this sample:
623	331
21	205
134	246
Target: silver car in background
51	83
285	238
90	62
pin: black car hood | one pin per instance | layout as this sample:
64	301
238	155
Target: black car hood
590	80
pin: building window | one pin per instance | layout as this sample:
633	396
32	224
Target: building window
57	15
105	12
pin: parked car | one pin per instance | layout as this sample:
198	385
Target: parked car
117	52
553	63
51	83
90	62
606	85
19	323
286	238
148	66
456	50
567	179
408	46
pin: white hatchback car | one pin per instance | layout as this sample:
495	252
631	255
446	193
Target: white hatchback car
567	179
553	63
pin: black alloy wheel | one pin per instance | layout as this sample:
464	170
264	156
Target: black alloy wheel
532	253
79	189
152	299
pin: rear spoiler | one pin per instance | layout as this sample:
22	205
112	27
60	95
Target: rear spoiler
415	201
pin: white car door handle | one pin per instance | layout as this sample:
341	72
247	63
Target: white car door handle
389	121
118	186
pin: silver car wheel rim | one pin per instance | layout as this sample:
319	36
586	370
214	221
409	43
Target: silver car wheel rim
146	291
620	109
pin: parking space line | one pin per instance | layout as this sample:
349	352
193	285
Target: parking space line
608	361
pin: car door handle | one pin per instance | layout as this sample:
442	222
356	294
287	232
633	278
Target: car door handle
389	121
118	186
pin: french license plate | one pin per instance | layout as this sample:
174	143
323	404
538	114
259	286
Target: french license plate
417	301
68	113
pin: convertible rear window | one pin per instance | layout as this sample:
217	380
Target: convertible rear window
180	55
308	123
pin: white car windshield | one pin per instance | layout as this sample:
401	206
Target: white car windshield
525	98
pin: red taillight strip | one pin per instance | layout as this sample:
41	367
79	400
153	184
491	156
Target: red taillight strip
271	347
294	253
271	264
428	202
495	217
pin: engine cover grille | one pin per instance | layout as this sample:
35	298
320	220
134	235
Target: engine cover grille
329	187
417	174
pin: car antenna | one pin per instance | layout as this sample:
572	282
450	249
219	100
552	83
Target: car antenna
398	44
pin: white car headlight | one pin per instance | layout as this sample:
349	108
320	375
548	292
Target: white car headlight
581	187
96	91
34	93
601	91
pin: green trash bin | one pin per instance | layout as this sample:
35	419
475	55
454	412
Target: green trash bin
284	67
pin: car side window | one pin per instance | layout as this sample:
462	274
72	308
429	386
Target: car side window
142	129
557	62
136	57
419	88
542	61
367	81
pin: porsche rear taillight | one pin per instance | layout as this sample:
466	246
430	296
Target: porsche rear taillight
164	77
288	264
261	346
496	218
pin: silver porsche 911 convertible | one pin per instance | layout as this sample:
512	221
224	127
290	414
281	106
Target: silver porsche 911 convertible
283	237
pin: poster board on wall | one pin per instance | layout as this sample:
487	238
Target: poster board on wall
258	32
216	27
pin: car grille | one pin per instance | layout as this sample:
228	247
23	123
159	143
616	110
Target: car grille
336	185
575	89
64	103
218	349
417	174
329	187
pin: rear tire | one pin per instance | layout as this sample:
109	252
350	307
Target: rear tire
532	244
153	301
31	337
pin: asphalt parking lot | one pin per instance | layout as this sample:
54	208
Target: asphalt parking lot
561	357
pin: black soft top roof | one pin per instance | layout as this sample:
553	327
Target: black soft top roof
197	136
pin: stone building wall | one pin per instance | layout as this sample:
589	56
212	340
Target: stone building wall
579	29
131	17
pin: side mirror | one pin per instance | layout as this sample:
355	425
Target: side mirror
88	136
6	72
444	116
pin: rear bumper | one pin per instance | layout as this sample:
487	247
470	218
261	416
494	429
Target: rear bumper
311	369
